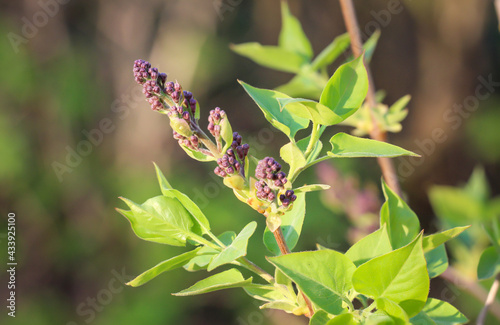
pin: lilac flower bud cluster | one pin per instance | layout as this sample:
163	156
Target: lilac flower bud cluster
270	169
162	94
214	121
287	198
193	142
233	161
270	177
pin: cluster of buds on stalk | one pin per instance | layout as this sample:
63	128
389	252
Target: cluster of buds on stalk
271	181
233	161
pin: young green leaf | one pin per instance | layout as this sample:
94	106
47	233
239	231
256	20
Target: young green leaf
489	263
284	121
320	317
369	247
226	132
164	184
196	155
304	84
228	279
348	146
264	292
316	112
201	221
402	223
455	206
160	219
439	312
272	57
170	264
293	156
432	241
238	248
393	310
437	261
324	276
331	52
292	37
291	226
369	47
280	305
347	88
343	319
205	255
311	188
400	276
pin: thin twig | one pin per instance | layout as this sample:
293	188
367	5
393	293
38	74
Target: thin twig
385	164
489	301
278	235
454	277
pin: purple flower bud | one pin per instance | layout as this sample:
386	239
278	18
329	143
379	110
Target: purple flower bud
163	77
293	198
289	193
237	165
231	160
217	129
277	183
271	196
188	95
267	189
282	197
286	202
177	87
217	109
230	170
185	115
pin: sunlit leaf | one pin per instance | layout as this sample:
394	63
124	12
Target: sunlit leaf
228	279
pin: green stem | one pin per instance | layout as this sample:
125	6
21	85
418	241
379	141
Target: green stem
207	142
257	270
314	139
369	309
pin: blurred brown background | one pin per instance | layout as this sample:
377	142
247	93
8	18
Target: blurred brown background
66	75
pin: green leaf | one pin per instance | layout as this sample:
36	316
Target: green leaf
402	223
284	120
271	56
226	132
400	104
369	48
237	248
400	276
164	184
291	226
439	313
331	52
348	146
311	188
314	111
392	309
264	292
201	221
369	247
161	219
170	264
344	319
432	241
196	155
477	186
489	263
205	255
302	85
292	37
455	206
324	276
281	305
228	279
370	45
320	317
379	318
437	261
293	156
346	90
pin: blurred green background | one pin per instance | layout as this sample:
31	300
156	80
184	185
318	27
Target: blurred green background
66	72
